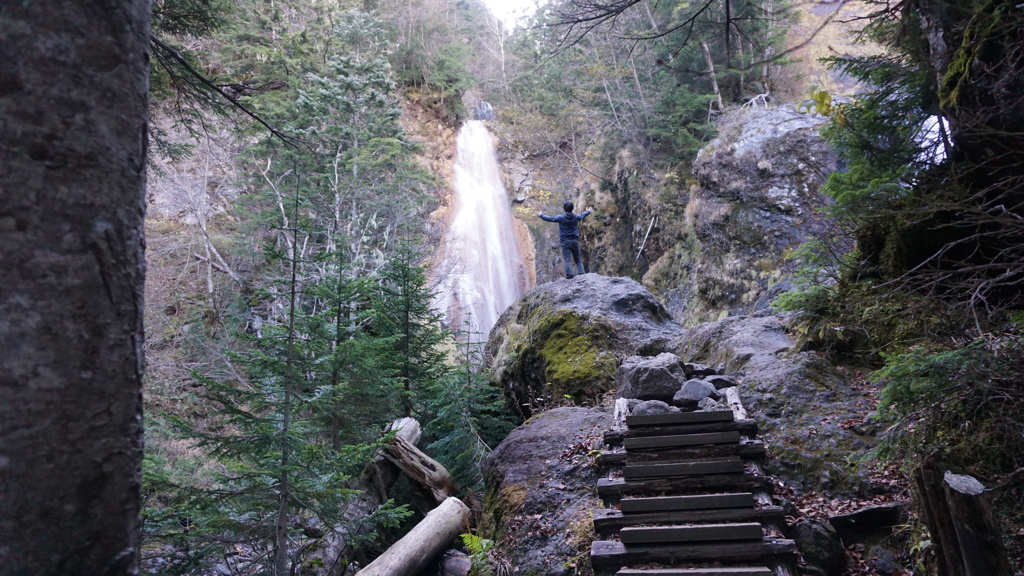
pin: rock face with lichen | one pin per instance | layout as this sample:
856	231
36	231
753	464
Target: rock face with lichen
564	340
754	197
808	412
541	491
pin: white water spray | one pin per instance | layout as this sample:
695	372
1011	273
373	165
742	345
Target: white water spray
481	270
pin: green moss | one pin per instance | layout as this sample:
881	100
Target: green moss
502	502
576	363
560	354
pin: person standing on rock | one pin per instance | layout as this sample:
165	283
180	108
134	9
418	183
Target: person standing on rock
568	236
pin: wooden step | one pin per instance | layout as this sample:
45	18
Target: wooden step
744	427
610	521
610	556
735	571
746	449
632	535
614	489
679	418
699	502
675	441
693	468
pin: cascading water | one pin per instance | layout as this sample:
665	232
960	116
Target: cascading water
481	271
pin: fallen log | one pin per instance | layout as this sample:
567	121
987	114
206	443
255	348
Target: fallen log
429	475
432	536
334	552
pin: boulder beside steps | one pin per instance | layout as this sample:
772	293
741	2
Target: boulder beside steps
692	499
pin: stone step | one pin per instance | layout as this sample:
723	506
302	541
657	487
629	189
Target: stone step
631	535
679	418
744	427
693	468
610	521
613	489
735	571
746	449
698	502
609	556
675	441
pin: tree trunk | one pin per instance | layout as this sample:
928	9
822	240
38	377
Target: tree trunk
426	473
977	532
73	113
433	535
711	74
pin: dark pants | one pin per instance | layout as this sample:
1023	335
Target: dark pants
570	253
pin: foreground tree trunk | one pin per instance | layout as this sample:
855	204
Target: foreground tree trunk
73	104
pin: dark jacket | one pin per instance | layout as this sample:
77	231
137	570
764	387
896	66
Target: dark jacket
568	225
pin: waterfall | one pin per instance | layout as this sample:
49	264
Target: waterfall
481	271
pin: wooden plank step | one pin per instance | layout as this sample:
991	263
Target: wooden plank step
610	521
746	449
698	502
614	489
695	468
675	441
631	535
610	556
679	418
744	427
732	571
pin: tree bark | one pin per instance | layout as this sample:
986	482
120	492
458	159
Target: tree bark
977	532
423	543
711	74
73	113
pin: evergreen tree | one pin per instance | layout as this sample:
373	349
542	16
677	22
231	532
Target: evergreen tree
403	315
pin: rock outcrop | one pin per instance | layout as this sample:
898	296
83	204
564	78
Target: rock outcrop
805	408
566	339
755	197
541	489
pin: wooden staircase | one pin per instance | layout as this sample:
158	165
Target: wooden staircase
693	499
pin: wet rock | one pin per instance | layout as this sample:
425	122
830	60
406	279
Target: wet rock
651	407
821	548
692	392
541	491
567	339
650	378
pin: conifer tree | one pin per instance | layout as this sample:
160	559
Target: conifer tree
403	314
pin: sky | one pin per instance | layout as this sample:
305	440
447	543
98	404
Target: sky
508	10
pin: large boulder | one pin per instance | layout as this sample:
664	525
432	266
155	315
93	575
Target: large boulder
541	491
753	199
650	378
566	339
804	406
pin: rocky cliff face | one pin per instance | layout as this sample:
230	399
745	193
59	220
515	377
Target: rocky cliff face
709	244
754	197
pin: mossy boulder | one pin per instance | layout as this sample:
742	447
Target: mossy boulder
542	490
564	340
